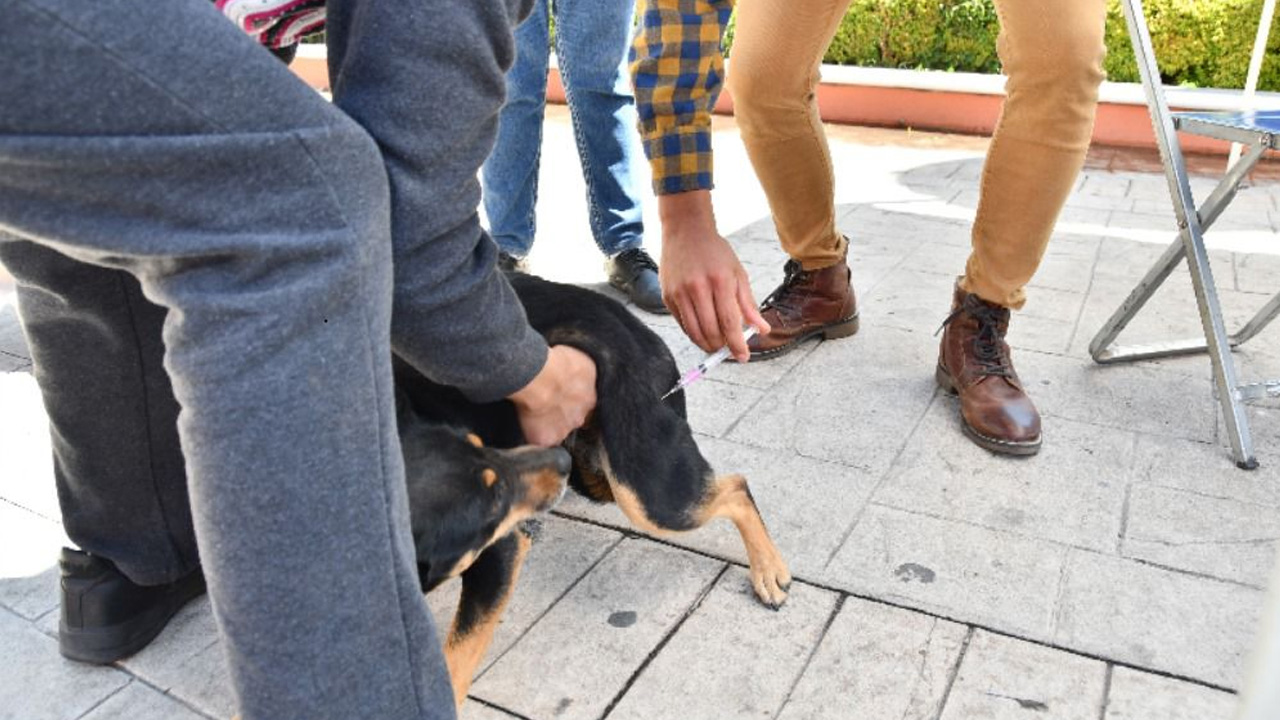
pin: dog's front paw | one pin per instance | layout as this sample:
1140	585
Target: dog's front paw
771	580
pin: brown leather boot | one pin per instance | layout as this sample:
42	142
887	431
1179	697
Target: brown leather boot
974	363
807	303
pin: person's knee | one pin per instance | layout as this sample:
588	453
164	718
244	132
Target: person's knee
1067	65
765	91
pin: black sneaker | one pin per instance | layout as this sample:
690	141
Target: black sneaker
105	616
509	263
636	274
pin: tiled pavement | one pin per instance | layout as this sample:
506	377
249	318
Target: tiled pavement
1117	575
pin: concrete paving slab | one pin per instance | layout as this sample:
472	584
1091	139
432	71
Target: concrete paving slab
31	661
28	563
203	682
807	505
473	710
562	553
13	363
911	299
715	407
1204	469
1258	273
1072	492
1137	695
1108	185
26	459
879	381
878	661
1156	619
12	341
137	701
1171	314
1002	678
754	655
1129	256
580	655
1083	200
1224	539
1125	397
952	569
937	258
164	663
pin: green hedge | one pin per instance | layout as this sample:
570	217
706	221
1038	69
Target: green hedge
1202	43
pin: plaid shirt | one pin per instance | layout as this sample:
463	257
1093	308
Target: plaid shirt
677	67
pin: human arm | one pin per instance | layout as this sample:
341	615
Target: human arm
677	70
703	283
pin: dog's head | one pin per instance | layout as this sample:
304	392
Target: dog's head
463	496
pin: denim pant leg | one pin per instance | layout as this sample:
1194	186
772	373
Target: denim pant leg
257	215
99	364
593	39
510	174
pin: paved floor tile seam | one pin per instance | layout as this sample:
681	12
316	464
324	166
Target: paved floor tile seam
12	503
136	679
1093	273
498	708
884	477
1205	495
490	664
1106	691
989	528
745	413
666	638
1124	512
954	674
1068	547
844	594
813	652
1182	571
101	701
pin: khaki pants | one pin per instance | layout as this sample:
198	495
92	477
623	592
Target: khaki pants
1052	53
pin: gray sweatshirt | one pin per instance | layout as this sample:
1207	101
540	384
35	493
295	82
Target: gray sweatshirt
433	109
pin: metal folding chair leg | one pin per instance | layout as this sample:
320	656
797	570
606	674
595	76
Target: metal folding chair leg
1190	246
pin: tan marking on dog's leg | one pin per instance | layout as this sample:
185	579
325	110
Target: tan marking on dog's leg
463	653
728	498
731	499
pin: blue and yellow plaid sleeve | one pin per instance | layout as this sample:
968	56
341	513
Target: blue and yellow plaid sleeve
677	68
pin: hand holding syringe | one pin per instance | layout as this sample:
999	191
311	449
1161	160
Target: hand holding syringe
697	373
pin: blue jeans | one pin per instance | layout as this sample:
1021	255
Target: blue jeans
592	41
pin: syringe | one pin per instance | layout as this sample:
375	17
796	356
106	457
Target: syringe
697	373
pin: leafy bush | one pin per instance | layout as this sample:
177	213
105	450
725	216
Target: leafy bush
1204	43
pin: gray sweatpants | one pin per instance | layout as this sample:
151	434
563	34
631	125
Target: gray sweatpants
159	171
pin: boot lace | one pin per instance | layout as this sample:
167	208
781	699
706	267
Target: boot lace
793	273
988	343
637	260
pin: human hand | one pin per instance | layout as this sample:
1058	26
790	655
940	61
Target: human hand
703	283
559	398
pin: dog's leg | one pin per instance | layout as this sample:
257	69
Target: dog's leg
727	497
486	587
731	498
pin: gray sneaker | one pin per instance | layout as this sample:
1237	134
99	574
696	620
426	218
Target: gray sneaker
636	274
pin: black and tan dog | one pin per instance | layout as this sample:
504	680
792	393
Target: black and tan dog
635	450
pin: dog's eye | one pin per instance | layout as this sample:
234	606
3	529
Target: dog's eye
489	476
